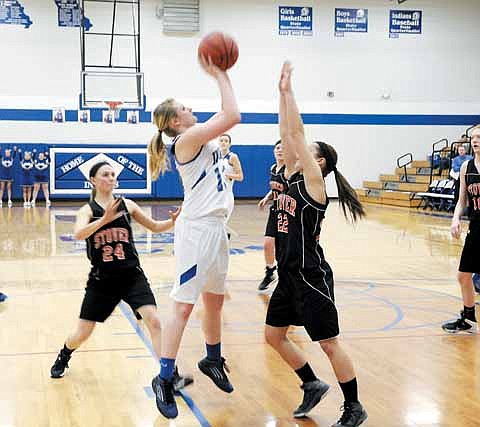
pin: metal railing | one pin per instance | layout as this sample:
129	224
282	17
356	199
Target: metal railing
405	164
435	150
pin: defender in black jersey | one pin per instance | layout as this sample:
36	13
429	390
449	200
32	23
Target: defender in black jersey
278	184
116	273
469	261
304	295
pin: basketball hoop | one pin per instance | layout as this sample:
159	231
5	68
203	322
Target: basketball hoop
114	107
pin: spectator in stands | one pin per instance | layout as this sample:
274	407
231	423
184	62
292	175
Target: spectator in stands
444	161
456	164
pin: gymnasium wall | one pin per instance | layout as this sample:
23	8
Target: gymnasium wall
430	79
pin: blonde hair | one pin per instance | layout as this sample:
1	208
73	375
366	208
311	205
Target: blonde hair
157	150
474	128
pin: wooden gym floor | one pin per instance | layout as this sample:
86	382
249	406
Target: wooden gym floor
395	285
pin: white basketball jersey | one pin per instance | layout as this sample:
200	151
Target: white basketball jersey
228	169
203	183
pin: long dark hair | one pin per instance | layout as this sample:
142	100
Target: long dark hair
346	194
93	171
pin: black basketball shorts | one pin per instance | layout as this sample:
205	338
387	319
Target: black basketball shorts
271	229
104	292
305	298
470	260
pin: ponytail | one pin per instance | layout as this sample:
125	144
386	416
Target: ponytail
157	150
346	194
348	198
158	158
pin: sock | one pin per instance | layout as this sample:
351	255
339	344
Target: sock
350	390
167	366
214	352
469	313
270	269
66	350
306	374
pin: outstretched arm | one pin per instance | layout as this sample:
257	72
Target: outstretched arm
229	115
156	226
289	154
295	142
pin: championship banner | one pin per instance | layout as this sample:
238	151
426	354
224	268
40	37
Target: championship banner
350	21
70	167
295	21
405	22
13	13
69	14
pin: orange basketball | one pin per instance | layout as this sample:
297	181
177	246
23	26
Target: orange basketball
221	48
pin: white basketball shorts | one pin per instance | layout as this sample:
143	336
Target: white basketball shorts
201	256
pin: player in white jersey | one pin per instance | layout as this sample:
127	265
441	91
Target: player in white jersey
232	169
201	245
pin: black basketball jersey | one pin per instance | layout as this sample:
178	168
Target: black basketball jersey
278	183
472	179
299	220
111	248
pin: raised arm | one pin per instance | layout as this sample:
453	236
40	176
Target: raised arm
296	143
456	228
289	155
193	138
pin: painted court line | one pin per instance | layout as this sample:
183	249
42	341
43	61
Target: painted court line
188	400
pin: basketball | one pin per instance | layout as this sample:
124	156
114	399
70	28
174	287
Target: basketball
221	48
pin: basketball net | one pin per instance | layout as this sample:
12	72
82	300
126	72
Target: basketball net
114	107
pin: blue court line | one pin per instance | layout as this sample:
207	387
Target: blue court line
188	400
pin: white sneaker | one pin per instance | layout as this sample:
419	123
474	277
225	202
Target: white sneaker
24	204
1	203
9	203
48	203
32	203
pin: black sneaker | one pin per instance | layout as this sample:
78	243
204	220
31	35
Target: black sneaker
269	281
163	390
461	325
180	381
3	297
58	368
353	415
313	392
215	369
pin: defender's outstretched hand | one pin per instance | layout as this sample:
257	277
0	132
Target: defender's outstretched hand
285	83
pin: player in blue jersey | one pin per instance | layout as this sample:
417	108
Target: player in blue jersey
232	169
201	243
